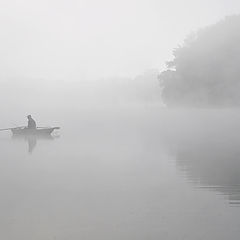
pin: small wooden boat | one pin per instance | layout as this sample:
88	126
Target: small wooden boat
37	131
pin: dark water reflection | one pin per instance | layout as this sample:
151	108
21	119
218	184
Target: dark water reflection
32	140
207	149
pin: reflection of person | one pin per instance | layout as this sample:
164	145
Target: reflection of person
31	122
32	142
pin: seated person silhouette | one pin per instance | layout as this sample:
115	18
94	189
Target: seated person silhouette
31	123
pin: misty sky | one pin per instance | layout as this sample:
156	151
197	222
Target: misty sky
84	39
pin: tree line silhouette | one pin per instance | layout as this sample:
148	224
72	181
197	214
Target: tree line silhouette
205	69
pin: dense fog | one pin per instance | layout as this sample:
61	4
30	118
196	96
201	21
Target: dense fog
54	100
92	145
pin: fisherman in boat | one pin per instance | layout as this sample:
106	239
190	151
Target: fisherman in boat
31	123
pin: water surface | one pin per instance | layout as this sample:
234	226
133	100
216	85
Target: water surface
126	173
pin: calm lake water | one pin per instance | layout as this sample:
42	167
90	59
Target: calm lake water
127	173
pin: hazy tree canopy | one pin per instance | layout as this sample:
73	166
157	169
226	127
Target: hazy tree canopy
205	70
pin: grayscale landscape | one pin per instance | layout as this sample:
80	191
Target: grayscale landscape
120	120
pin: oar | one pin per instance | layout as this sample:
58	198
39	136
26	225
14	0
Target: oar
5	129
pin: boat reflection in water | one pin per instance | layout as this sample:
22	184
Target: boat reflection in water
32	139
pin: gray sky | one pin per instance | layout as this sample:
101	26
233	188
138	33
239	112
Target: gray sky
84	39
